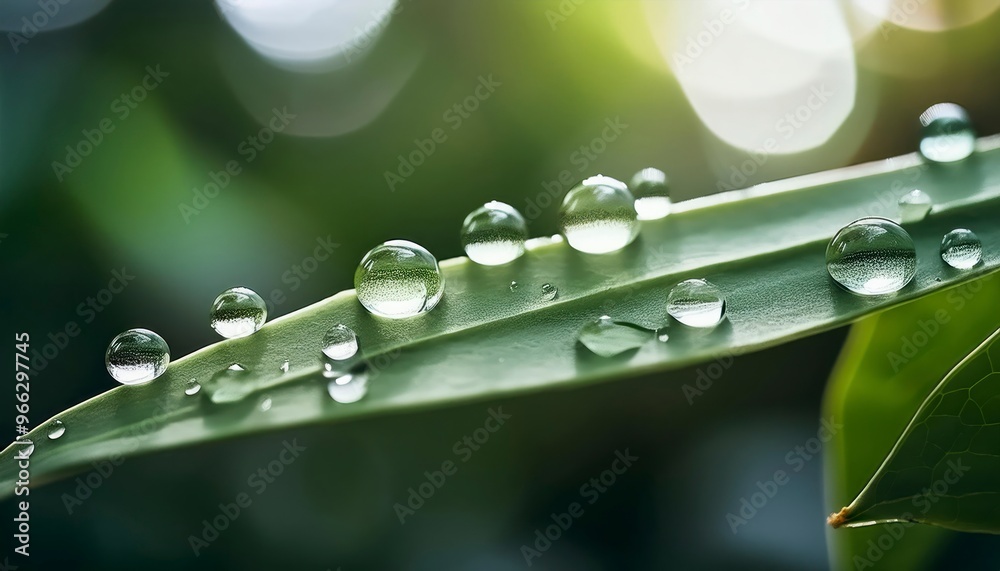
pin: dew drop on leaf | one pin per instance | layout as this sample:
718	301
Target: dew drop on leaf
494	234
872	256
961	249
237	312
914	206
607	337
549	292
652	195
340	342
137	356
56	429
399	279
192	387
947	134
696	303
598	216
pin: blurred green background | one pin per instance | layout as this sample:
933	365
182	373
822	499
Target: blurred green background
366	89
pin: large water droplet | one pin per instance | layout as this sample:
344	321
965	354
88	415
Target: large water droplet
494	234
961	249
238	312
350	387
340	342
549	292
696	303
652	195
137	356
947	134
56	429
399	279
192	387
607	338
914	206
598	216
872	256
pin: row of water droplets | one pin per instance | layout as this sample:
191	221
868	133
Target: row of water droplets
400	279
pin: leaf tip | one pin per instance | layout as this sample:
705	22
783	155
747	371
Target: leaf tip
838	519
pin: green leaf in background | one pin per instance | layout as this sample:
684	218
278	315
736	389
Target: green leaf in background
944	469
764	247
889	364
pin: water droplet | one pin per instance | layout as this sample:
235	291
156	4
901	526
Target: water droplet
340	343
872	256
56	429
494	234
350	387
607	338
137	356
549	292
399	279
696	303
598	216
514	286
914	206
238	312
231	384
961	249
192	388
265	403
652	195
285	365
662	336
947	134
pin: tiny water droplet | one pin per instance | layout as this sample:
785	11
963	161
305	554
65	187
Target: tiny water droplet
399	279
56	429
237	312
598	216
237	367
961	249
872	256
265	404
914	206
340	342
947	134
349	388
662	337
494	234
231	384
514	286
137	356
652	194
696	303
549	292
607	337
285	365
192	388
